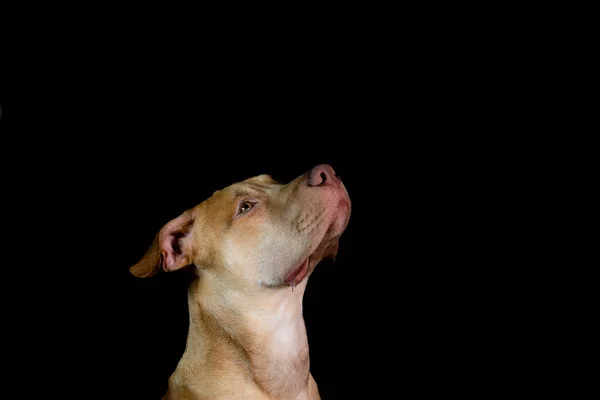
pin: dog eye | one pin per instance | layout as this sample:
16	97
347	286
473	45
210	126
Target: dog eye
246	206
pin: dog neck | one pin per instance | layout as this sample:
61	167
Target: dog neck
258	334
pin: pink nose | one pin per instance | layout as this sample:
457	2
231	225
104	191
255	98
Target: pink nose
321	175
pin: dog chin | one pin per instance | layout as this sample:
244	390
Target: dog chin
327	249
298	273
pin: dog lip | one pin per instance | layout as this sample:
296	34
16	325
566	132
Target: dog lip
297	274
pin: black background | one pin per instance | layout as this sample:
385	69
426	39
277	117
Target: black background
107	153
395	310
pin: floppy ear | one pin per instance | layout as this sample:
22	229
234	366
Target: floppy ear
168	250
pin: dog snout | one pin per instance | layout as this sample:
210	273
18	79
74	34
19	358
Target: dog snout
321	175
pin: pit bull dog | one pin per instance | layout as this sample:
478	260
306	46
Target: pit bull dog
252	247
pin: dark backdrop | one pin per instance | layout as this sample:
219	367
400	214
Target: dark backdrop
102	164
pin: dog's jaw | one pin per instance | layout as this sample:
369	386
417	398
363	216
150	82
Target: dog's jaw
298	274
327	249
327	245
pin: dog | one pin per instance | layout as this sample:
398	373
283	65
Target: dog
252	247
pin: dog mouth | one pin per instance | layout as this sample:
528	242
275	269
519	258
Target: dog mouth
327	249
299	273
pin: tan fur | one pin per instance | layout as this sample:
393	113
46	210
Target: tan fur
247	338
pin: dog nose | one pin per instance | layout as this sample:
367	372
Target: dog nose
321	175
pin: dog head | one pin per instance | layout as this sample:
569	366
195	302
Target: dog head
257	232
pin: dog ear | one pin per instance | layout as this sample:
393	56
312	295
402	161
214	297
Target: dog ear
168	250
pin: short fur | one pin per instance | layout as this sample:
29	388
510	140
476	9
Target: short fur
252	246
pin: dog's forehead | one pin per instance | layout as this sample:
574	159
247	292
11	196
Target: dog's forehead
263	181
